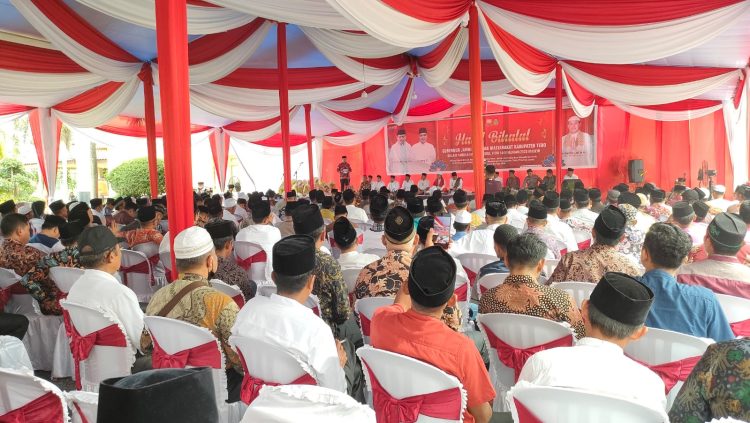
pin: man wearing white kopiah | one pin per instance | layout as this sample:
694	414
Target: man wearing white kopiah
423	153
577	147
399	155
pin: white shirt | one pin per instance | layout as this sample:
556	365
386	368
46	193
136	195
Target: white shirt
265	236
399	158
586	216
523	210
356	213
573	176
101	216
377	185
516	219
598	366
424	155
36	225
240	213
644	221
423	184
406	186
479	241
456	184
393	186
227	215
562	231
721	203
356	260
372	240
101	290
291	326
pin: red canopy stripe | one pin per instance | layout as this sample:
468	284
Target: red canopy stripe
136	127
390	62
430	108
404	97
583	95
9	109
490	71
89	99
363	115
680	106
525	55
81	31
24	58
211	46
613	12
435	11
275	141
434	57
358	94
247	126
645	75
299	78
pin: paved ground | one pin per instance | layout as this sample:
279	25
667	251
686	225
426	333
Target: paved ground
66	384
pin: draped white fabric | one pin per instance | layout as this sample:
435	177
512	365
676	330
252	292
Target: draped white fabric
350	125
439	115
387	24
350	43
580	108
231	110
667	116
113	70
646	95
47	129
363	72
360	102
44	89
437	75
457	91
616	44
351	139
313	13
526	103
736	125
220	150
104	111
11	117
400	115
270	98
200	20
263	133
527	82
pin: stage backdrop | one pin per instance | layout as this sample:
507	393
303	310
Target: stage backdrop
511	141
669	150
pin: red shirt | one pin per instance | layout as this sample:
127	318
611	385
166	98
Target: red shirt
430	340
344	169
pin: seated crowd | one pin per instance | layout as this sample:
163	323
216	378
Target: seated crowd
657	260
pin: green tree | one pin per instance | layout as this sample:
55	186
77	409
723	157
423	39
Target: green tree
15	182
131	177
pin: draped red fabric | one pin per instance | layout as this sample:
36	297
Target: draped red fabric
471	274
741	328
679	106
36	135
299	78
136	127
363	115
369	89
613	12
149	113
476	76
364	323
430	108
740	90
275	141
87	100
80	412
445	404
515	358
282	64
583	95
82	32
404	97
251	385
259	257
461	292
142	268
9	109
46	408
651	76
247	126
389	62
525	55
674	371
211	46
490	71
436	55
222	144
435	11
81	345
524	414
205	355
23	58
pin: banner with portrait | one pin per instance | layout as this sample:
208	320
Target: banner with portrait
511	141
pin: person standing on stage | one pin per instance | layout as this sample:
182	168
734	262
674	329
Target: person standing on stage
344	169
513	182
423	153
531	181
399	154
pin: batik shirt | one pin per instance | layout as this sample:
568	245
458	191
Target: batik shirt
383	278
39	284
660	212
229	272
591	264
331	290
142	236
718	386
632	243
521	294
203	306
21	259
554	245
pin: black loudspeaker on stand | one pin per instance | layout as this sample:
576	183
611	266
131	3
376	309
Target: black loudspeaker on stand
635	171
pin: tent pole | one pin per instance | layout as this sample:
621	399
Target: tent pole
284	103
171	43
475	95
558	125
150	118
308	131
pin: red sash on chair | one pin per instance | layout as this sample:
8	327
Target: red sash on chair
259	257
239	299
524	414
515	358
673	372
584	244
440	405
141	268
47	408
81	346
461	292
471	274
364	323
205	355
251	385
80	413
154	260
741	328
9	291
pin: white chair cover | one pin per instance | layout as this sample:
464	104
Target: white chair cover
150	250
736	309
225	288
366	307
518	331
564	405
174	336
473	261
463	281
404	377
380	252
578	290
659	346
65	277
297	403
62	359
549	267
13	354
104	362
490	281
269	362
82	402
350	277
20	387
257	270
140	283
18	303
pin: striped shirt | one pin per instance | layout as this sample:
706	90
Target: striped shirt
721	274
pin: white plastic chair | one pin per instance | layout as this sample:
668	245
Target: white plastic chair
234	292
104	362
13	354
490	281
350	278
243	250
564	405
165	258
737	310
20	387
20	301
549	267
151	251
473	262
267	362
578	290
360	225
82	405
174	336
365	309
139	282
380	252
403	377
660	346
296	403
519	331
62	359
463	297
65	277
